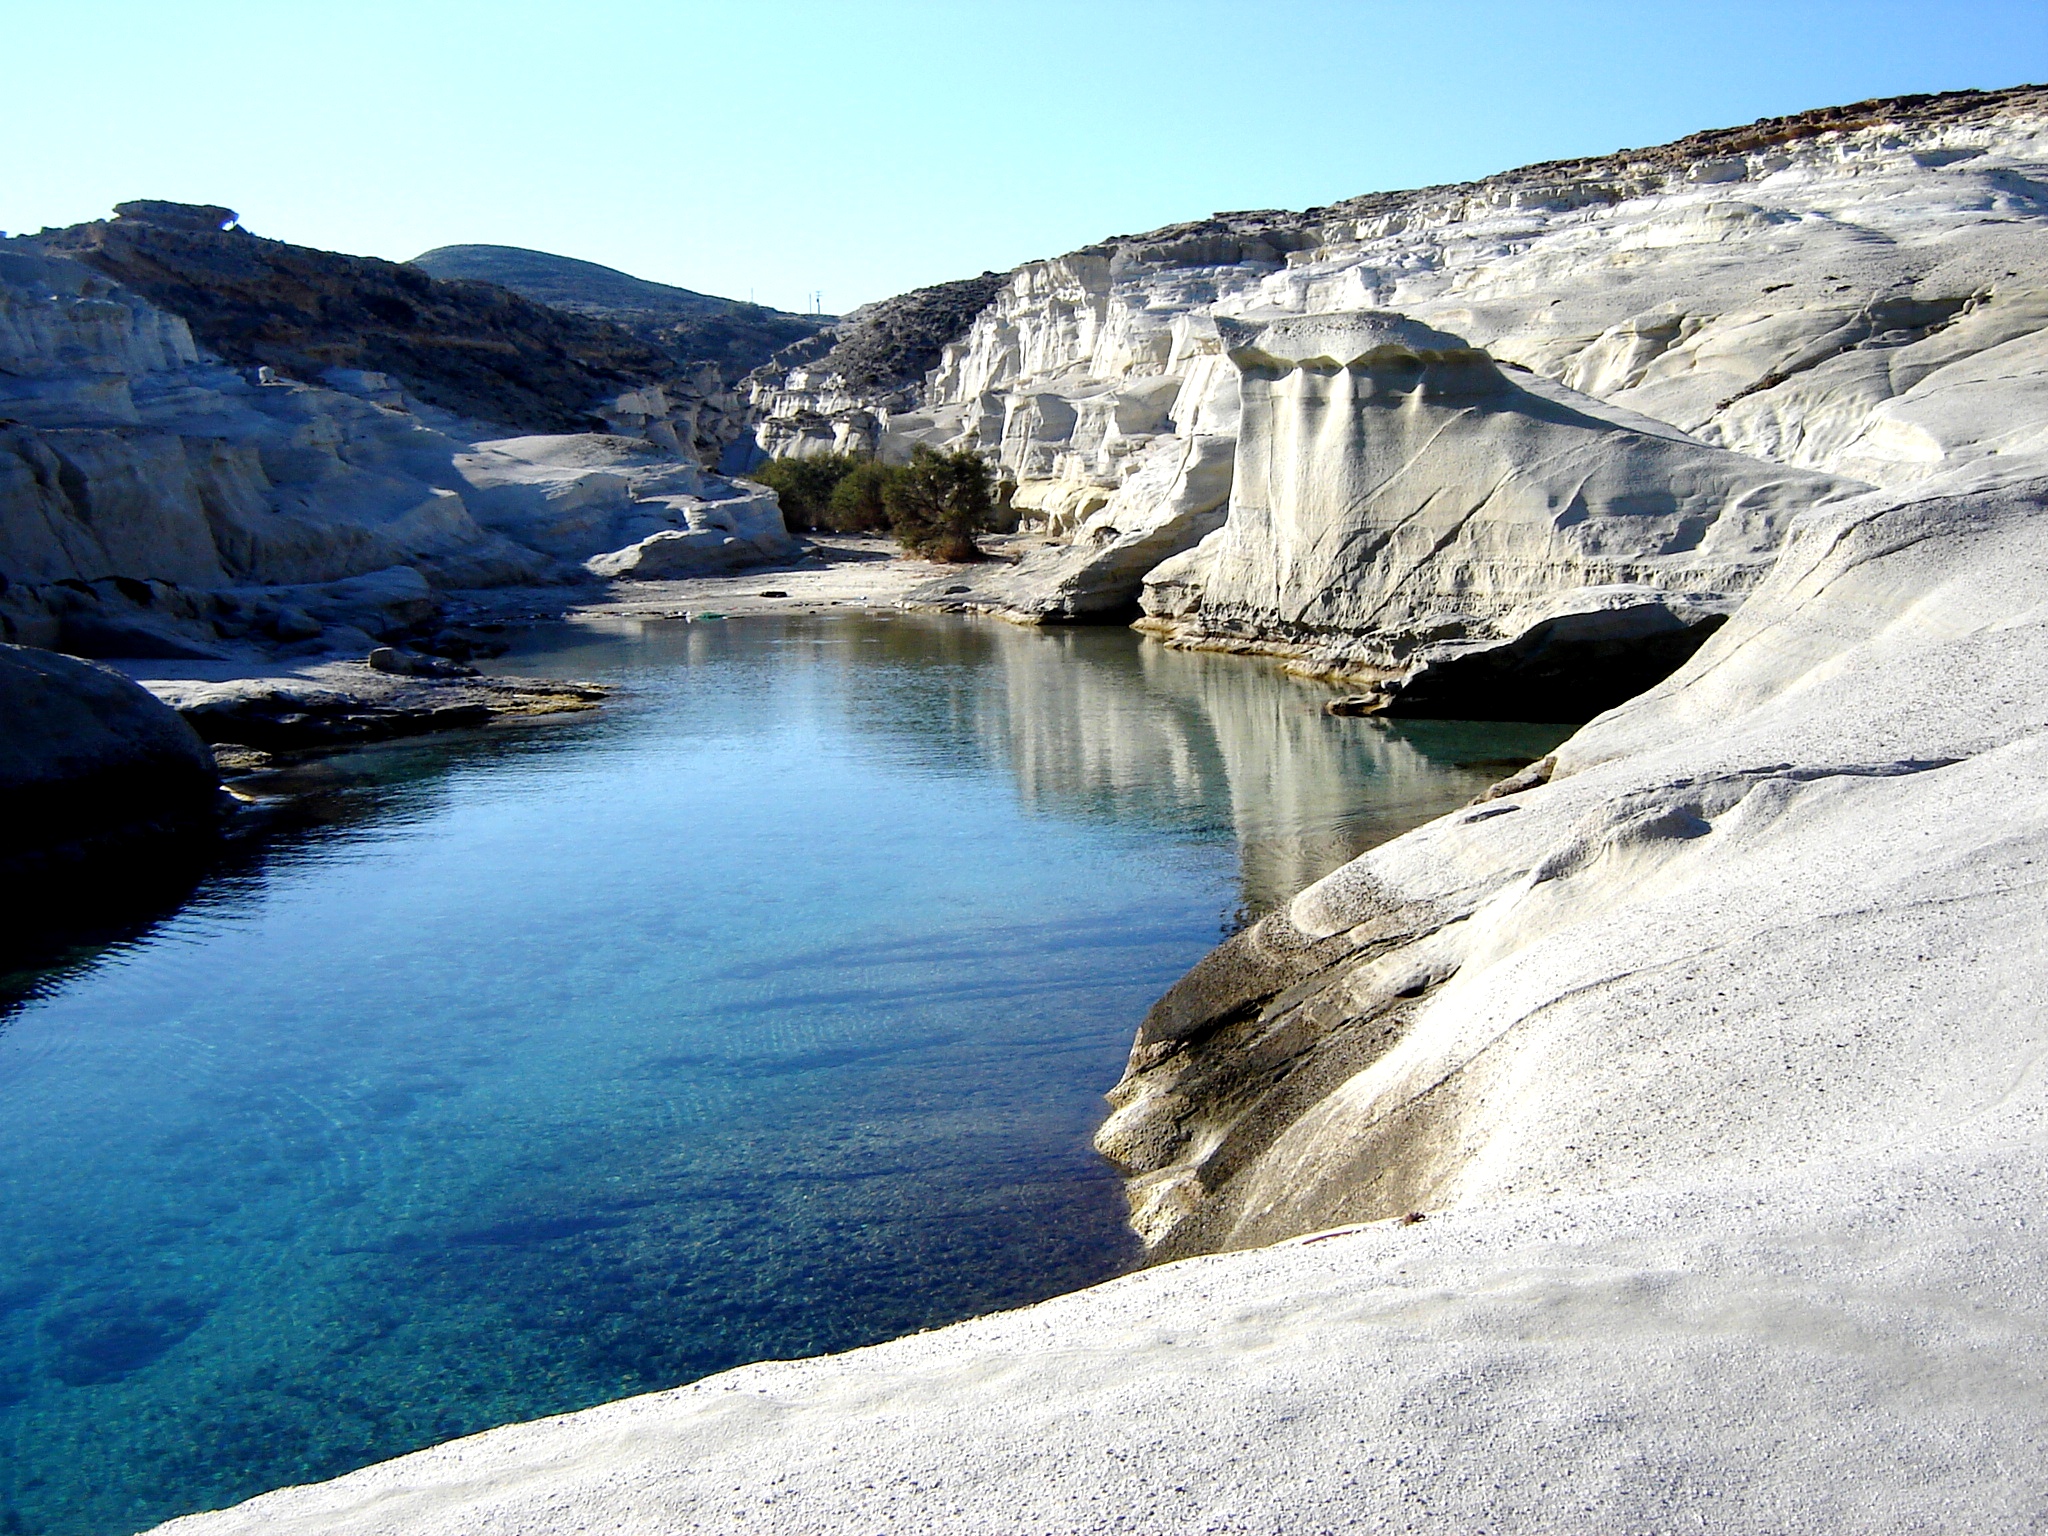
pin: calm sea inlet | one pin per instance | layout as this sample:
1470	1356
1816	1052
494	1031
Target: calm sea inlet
765	1011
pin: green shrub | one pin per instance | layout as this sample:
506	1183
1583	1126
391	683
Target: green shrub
860	499
938	502
805	486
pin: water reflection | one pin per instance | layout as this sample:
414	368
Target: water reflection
1101	722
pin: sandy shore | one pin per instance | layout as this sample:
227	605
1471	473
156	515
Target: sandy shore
849	571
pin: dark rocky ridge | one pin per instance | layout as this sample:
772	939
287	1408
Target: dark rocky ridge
473	348
898	341
690	327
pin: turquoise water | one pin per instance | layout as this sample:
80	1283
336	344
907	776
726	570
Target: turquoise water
765	1011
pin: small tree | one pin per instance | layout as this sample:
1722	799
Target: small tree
938	502
860	500
804	487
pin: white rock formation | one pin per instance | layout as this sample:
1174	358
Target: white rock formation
1399	502
597	499
1177	491
126	453
1886	646
1856	293
728	534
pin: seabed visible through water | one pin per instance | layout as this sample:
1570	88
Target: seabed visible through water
763	1013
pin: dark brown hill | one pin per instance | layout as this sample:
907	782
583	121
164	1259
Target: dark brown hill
691	327
898	340
470	347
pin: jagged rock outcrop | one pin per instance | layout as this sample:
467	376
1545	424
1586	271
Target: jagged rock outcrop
898	341
694	329
90	760
844	390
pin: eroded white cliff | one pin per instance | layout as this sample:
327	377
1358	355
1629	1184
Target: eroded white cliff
1858	294
1399	500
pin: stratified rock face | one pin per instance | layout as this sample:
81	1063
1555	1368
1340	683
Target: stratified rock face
692	328
1400	501
88	757
129	454
898	341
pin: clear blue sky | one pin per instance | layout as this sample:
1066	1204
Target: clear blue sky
862	147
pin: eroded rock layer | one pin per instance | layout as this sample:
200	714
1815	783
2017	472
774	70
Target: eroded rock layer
1400	503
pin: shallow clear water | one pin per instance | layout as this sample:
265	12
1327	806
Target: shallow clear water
765	1011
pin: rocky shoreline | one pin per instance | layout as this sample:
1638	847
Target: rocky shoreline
1681	1103
334	704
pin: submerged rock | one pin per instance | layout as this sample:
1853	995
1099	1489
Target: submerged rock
399	663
